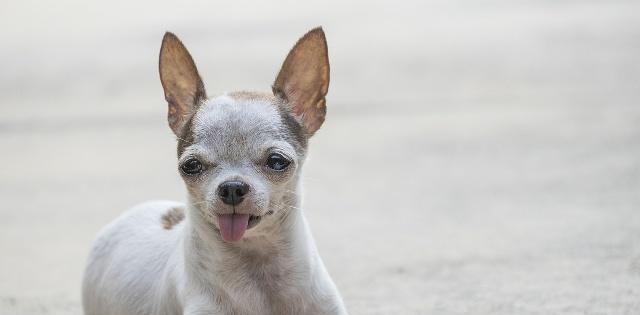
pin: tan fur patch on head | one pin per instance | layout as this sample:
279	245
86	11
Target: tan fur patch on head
173	216
249	95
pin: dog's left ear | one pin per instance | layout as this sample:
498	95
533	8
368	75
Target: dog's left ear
183	88
303	80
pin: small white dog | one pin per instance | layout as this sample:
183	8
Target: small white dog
241	245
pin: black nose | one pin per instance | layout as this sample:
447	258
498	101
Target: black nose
232	192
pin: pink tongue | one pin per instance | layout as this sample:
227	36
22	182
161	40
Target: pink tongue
232	226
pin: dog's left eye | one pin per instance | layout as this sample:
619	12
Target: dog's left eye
191	167
277	162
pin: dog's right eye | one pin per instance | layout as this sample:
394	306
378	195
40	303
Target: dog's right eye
277	162
191	166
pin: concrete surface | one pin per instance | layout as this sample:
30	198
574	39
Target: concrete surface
479	157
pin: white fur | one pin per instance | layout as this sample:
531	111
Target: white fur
138	267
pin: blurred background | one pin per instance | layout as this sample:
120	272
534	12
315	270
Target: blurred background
479	157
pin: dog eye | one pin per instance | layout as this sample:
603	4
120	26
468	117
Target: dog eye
277	162
191	166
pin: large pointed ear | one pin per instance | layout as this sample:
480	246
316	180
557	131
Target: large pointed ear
303	80
183	88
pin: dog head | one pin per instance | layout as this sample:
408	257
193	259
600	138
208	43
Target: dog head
240	153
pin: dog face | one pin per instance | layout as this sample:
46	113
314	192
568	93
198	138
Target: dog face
240	153
239	158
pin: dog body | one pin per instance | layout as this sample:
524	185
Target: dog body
241	244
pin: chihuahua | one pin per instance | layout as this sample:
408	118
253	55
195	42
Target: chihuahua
241	244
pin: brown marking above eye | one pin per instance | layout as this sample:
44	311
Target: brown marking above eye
172	217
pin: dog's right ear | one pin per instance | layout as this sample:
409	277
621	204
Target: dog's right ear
303	80
183	88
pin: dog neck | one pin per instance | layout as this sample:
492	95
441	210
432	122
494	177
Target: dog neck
277	245
269	268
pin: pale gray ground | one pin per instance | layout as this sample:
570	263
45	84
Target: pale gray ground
479	157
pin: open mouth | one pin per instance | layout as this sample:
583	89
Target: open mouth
233	226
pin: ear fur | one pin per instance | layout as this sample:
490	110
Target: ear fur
183	87
303	80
